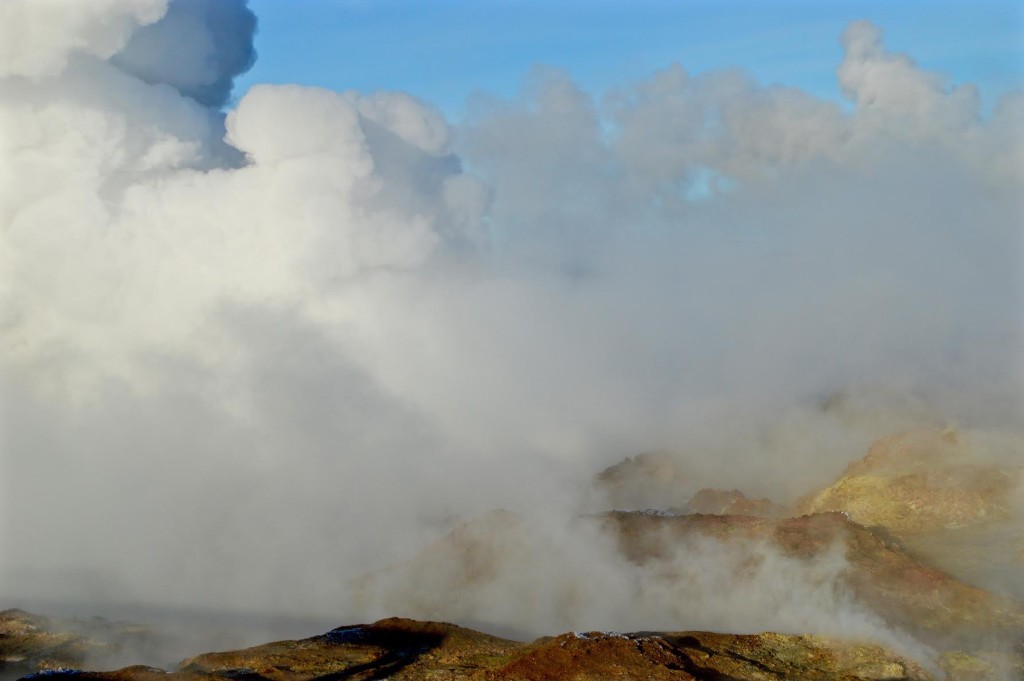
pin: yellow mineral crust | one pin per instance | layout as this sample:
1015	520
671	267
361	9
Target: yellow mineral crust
918	482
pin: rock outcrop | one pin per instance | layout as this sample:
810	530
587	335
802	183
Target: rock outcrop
35	643
947	497
704	655
731	502
648	480
409	650
920	481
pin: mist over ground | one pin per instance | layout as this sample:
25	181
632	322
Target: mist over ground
249	357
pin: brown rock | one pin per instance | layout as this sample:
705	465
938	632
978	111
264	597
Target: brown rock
703	655
393	648
932	605
880	574
409	650
732	502
648	480
34	643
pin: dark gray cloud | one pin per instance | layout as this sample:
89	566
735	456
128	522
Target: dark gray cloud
197	47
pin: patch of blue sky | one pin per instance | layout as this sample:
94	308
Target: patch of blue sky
445	50
706	183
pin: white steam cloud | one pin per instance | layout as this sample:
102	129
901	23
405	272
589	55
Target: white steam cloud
248	357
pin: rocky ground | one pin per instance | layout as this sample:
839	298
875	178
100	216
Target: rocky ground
36	643
409	649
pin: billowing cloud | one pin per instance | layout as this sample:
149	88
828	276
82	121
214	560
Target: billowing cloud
40	38
217	47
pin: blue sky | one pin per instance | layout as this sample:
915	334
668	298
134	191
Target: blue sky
444	50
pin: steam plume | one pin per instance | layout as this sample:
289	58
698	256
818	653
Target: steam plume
248	357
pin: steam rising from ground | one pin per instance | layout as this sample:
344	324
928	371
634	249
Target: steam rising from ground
248	357
486	573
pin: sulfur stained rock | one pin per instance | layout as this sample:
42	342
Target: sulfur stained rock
920	481
961	666
956	501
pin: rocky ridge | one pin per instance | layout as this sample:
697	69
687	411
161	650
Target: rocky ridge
950	502
403	649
